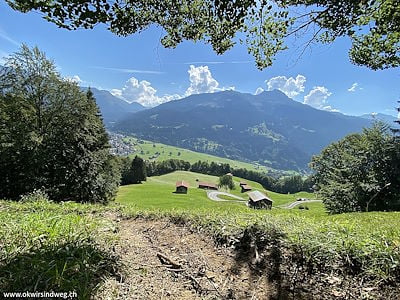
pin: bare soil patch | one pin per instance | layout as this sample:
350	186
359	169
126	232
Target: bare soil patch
166	261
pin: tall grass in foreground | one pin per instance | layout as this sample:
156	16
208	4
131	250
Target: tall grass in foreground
51	247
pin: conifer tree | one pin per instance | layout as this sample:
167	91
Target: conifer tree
52	136
126	174
138	169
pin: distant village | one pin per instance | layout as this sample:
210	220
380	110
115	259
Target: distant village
119	146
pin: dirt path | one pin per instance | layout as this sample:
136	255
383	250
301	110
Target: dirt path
213	195
166	261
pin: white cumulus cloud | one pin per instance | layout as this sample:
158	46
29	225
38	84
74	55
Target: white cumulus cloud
317	98
290	86
141	92
201	81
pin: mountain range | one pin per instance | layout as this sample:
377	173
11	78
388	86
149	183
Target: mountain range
112	108
381	117
269	128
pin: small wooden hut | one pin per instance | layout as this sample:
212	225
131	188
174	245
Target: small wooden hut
245	188
259	200
182	187
207	186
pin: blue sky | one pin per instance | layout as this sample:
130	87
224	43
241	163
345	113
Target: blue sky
138	68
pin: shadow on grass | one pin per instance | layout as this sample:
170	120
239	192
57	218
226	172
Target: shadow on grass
78	267
261	252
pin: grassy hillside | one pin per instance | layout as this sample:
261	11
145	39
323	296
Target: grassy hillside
157	192
70	246
157	151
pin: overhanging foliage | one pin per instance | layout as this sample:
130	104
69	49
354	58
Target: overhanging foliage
264	26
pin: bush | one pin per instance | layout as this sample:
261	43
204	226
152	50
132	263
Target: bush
35	196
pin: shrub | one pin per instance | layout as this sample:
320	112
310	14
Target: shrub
35	196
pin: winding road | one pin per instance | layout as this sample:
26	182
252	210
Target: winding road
296	203
214	195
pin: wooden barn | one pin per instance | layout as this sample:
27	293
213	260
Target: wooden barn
259	200
208	186
245	188
182	187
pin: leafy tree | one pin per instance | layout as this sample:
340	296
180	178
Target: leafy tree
226	181
372	25
52	137
138	170
289	184
156	168
17	147
308	184
361	172
200	167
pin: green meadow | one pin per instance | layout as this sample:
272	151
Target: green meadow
158	193
69	246
159	152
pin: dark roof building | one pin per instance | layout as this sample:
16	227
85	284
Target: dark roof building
245	188
181	187
207	186
242	183
259	200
